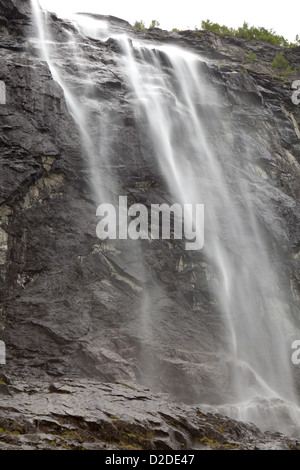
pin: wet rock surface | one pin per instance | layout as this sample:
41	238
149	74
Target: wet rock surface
76	414
71	305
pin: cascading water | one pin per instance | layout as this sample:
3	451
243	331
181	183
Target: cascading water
173	99
78	77
191	134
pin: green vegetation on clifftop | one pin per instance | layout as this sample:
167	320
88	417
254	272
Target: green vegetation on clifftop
250	33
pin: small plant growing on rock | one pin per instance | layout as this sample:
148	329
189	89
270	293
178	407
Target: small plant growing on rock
281	63
154	24
251	57
297	41
139	25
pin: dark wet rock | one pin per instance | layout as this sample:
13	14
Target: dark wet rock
60	287
88	415
14	17
71	305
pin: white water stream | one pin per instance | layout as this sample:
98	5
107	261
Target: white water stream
170	91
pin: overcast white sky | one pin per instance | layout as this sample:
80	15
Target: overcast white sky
282	17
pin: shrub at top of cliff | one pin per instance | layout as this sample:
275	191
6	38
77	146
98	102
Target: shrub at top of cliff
250	33
140	25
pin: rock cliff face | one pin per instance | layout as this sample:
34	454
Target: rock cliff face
70	306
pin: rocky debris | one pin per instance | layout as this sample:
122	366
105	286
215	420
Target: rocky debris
77	414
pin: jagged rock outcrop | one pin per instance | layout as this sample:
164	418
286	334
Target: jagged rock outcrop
69	305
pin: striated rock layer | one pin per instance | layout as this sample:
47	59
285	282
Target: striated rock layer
70	305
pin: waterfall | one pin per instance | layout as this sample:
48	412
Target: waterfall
193	141
173	99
